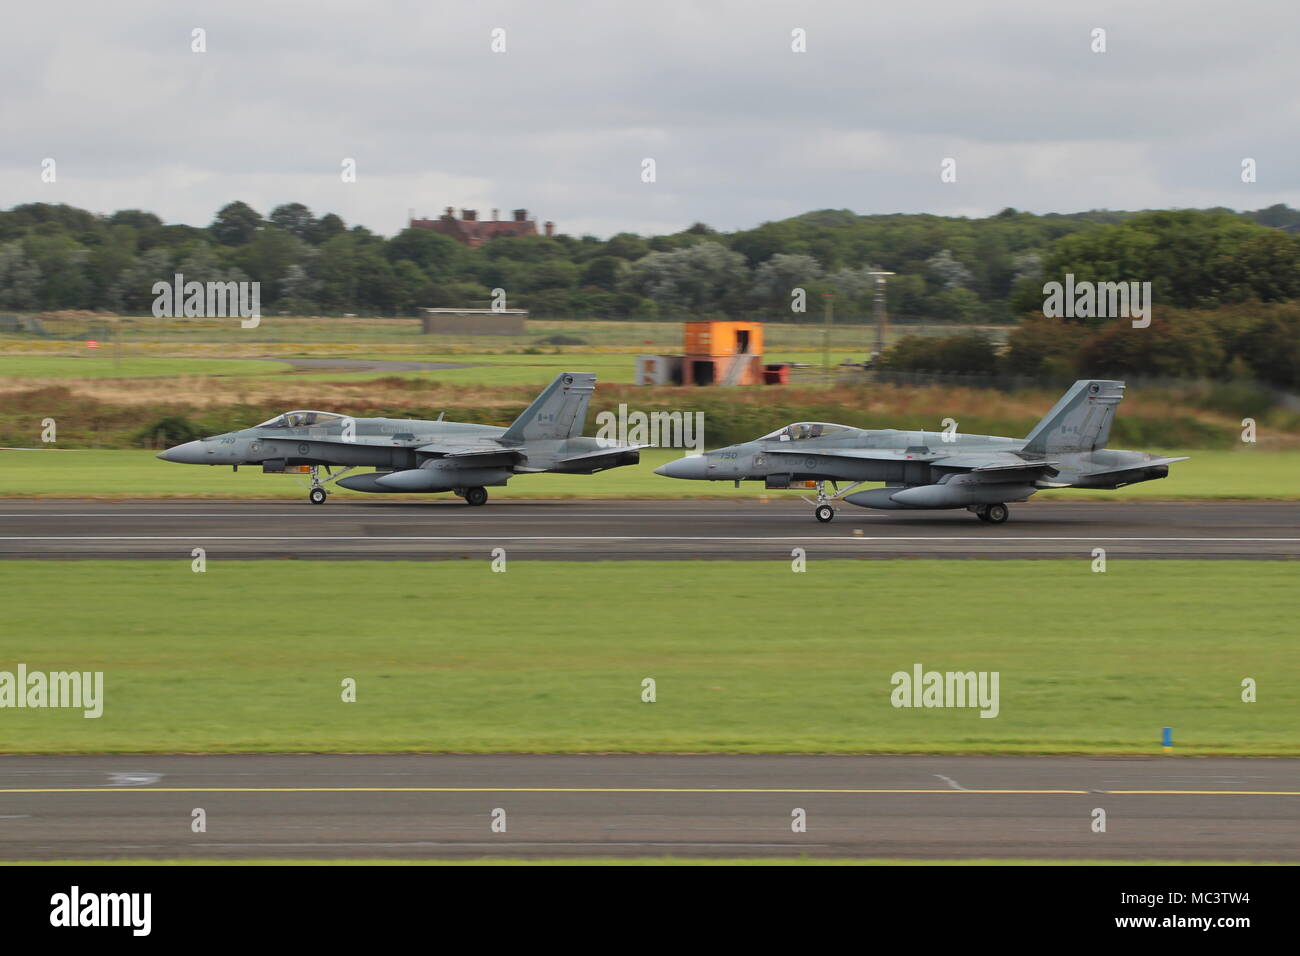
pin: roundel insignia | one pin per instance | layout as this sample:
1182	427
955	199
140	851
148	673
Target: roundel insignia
303	448
810	463
1095	388
568	380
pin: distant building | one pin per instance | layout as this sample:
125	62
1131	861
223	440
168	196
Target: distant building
473	231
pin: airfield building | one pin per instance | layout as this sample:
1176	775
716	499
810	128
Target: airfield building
474	232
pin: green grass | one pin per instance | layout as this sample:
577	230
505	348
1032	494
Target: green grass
1240	473
662	335
493	369
101	365
513	369
110	473
485	368
747	656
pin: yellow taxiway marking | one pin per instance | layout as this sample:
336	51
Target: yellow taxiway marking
946	790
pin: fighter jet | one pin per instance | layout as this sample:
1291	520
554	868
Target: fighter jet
980	473
411	455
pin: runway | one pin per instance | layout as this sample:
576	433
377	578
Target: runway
436	806
447	529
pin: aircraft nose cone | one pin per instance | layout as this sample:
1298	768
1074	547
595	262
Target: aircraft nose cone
692	466
190	453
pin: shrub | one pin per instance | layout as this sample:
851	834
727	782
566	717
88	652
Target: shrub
967	352
169	430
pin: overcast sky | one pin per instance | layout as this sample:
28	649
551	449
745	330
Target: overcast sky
742	129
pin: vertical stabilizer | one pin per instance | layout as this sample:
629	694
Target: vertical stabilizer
1079	422
559	412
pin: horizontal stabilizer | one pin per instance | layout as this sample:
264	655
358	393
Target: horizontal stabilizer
1130	466
606	452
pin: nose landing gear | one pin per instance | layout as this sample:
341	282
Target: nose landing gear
319	493
823	511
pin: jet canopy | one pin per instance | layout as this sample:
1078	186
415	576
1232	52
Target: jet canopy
802	430
301	419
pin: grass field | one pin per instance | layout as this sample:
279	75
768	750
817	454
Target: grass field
484	368
550	656
112	473
290	332
500	369
101	365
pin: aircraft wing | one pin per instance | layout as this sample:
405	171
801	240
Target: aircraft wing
855	454
485	455
981	462
378	441
467	451
991	461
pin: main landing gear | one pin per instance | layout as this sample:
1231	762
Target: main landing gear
473	496
993	514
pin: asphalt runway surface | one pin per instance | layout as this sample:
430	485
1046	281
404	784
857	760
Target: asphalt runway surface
448	529
441	806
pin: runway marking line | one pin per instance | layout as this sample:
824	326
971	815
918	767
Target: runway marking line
614	537
728	790
501	843
530	516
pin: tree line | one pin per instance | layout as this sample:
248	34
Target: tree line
1247	344
948	269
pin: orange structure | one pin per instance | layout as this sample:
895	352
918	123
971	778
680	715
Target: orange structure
723	353
717	353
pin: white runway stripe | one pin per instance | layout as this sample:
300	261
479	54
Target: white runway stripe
618	537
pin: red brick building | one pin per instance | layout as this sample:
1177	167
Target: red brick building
473	231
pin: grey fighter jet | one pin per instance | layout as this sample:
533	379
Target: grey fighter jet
980	473
410	455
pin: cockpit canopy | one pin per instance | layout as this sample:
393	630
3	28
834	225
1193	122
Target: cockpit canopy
301	419
802	430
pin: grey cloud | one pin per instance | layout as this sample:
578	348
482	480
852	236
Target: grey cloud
743	130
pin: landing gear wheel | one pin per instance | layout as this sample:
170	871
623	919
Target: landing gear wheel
981	512
824	513
476	496
318	496
996	514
